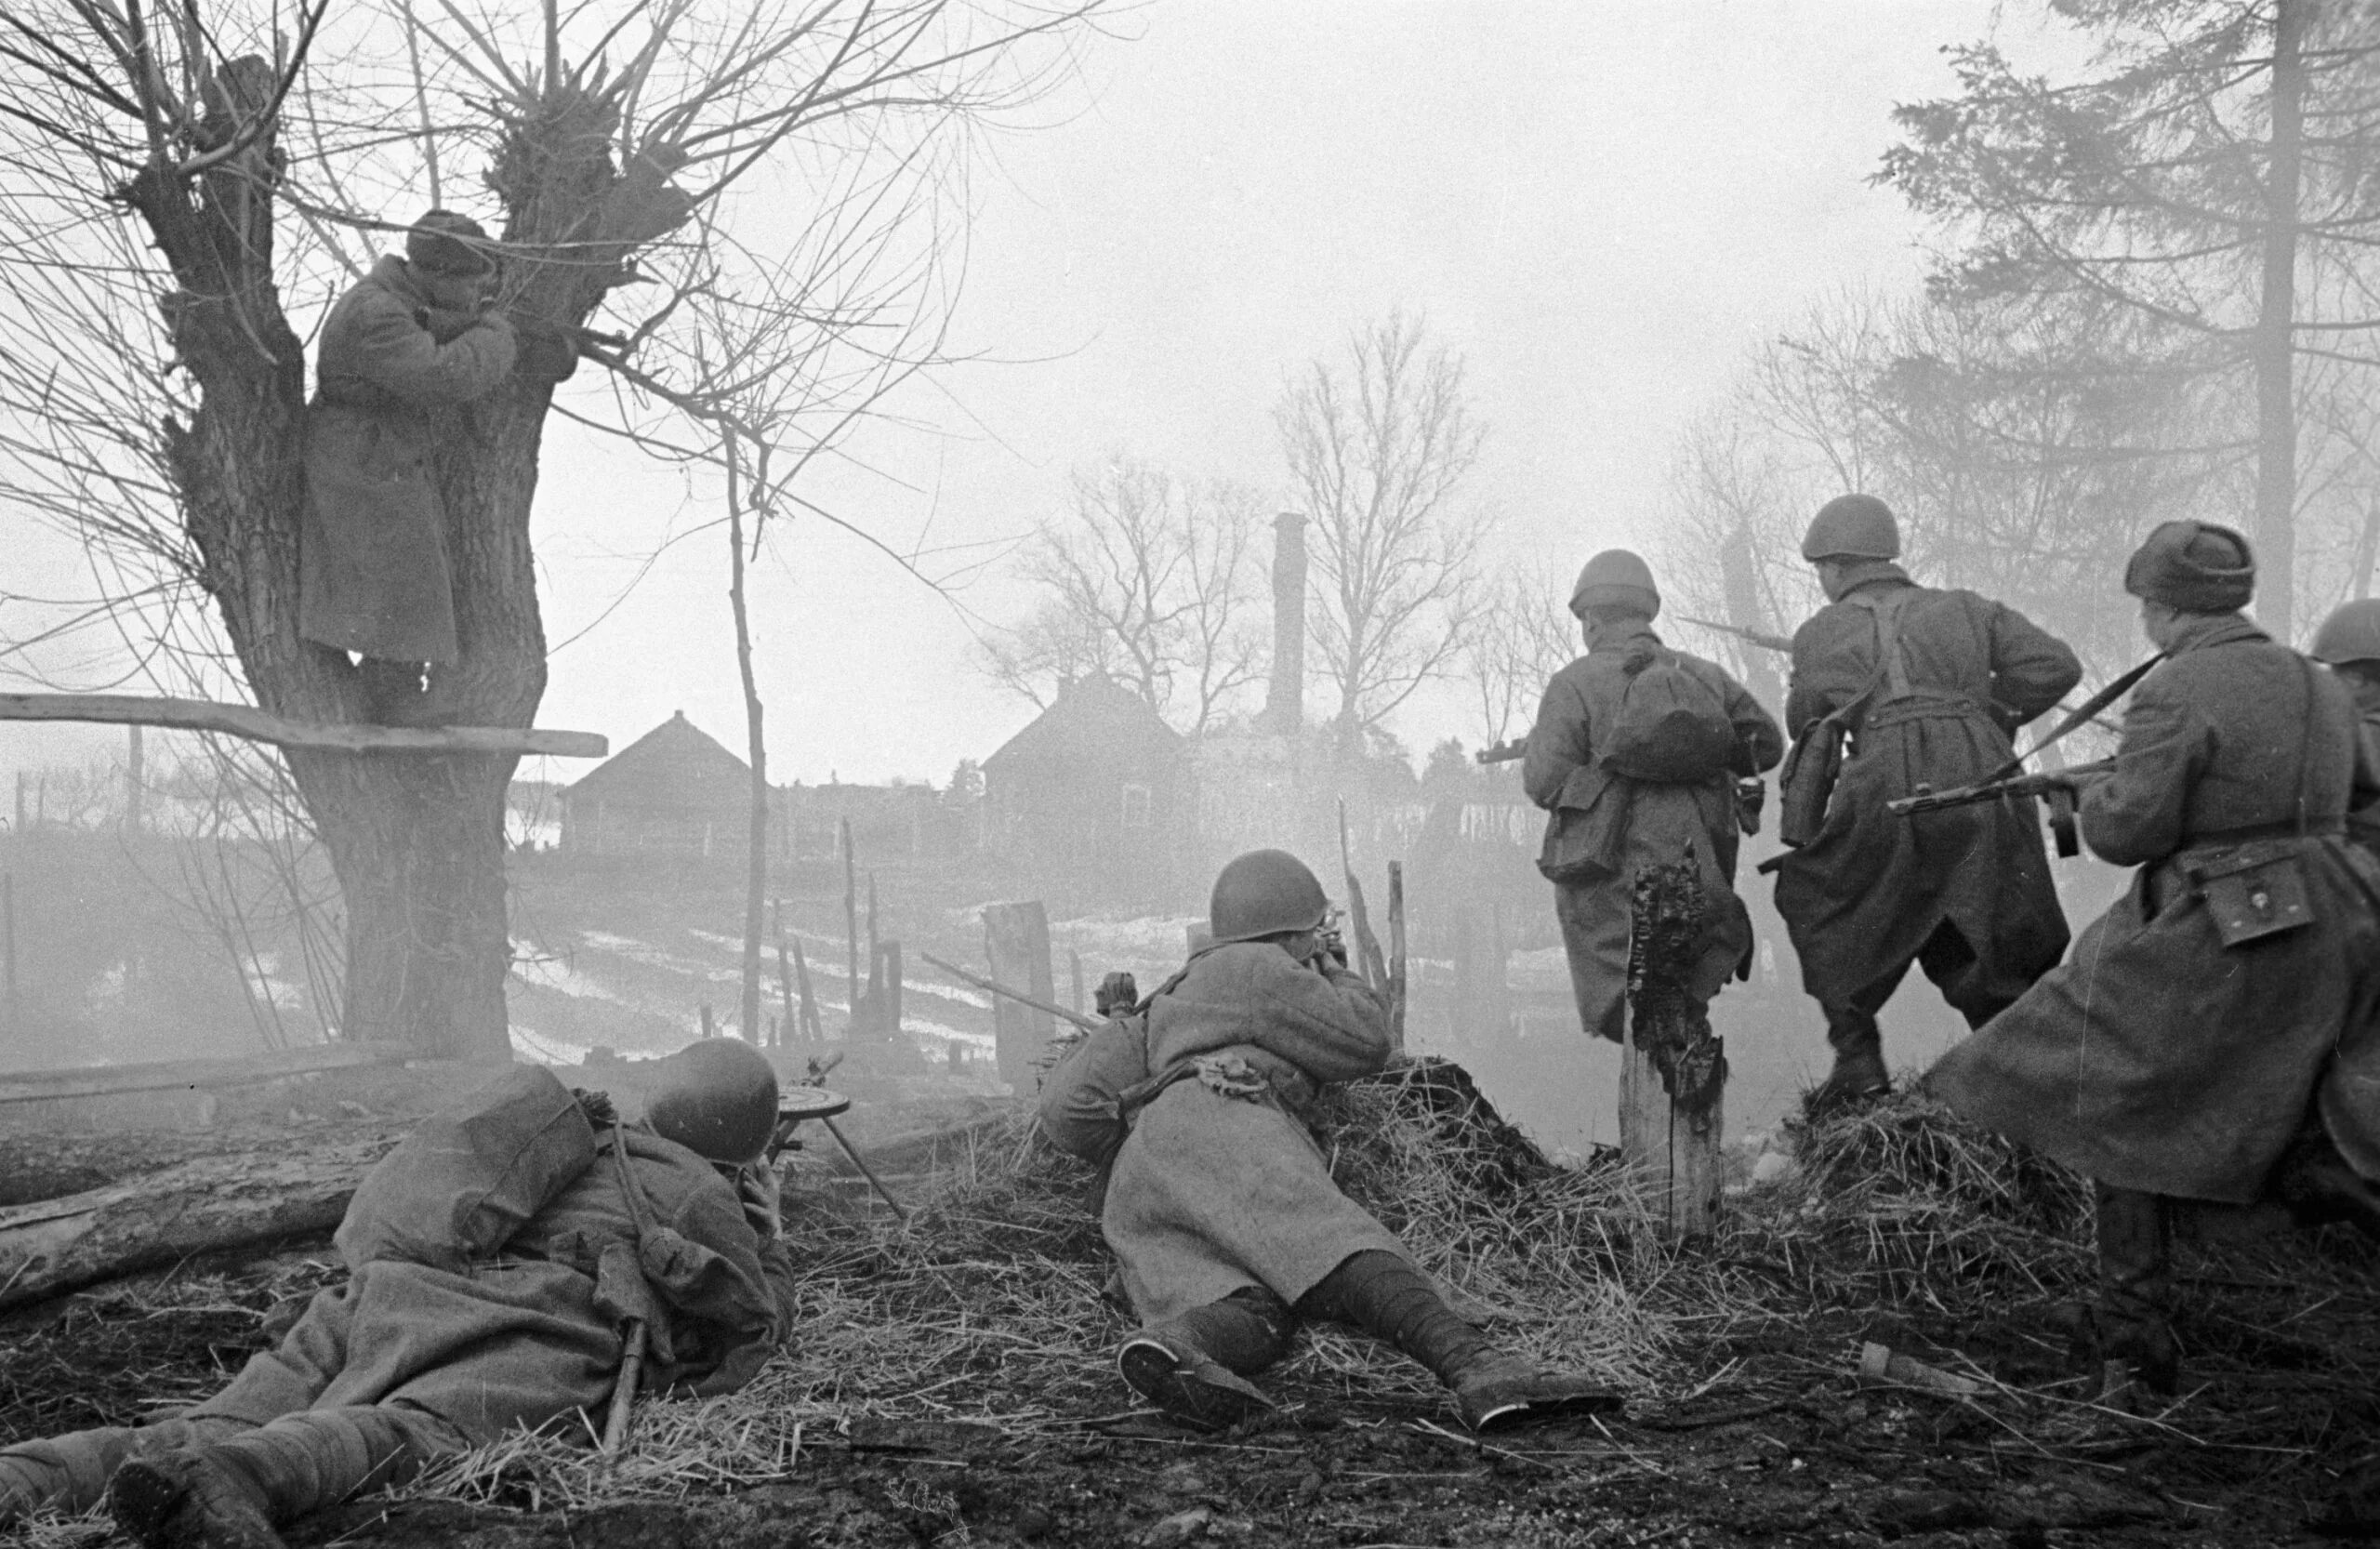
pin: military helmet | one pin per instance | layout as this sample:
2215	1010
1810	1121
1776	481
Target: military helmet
1264	893
1616	579
717	1097
1853	527
2351	634
445	242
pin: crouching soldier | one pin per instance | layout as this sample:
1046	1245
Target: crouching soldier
501	1261
2216	1033
2349	644
1225	1224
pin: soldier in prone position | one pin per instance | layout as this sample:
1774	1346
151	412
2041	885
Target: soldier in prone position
496	1259
1932	684
1224	1222
1617	806
2217	1034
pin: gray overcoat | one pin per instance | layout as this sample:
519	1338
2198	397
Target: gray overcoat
1863	897
1219	1185
2158	1059
372	571
1638	823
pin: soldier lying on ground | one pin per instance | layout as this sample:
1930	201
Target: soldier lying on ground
1224	1222
2216	1034
496	1259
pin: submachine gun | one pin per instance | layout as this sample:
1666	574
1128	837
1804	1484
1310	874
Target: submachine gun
2056	788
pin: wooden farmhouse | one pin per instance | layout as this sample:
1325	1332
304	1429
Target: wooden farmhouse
1093	795
676	790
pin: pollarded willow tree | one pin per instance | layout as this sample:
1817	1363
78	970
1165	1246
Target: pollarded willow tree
179	185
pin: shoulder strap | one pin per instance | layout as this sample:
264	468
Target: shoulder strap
1890	674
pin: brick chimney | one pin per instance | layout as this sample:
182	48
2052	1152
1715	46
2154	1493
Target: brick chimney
1285	694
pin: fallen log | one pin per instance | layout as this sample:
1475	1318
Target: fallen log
207	1205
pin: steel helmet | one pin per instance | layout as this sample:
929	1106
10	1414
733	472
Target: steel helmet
2351	634
1853	527
447	242
1616	579
717	1097
1264	893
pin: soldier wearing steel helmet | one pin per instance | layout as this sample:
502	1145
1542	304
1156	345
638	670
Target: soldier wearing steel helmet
1932	684
1218	1204
494	1259
2349	643
1611	816
2214	1036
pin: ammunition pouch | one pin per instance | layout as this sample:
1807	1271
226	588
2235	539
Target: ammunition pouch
2253	891
1806	783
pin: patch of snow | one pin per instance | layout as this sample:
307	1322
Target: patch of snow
541	1050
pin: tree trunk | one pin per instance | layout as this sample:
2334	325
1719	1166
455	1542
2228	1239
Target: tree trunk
416	840
2273	345
756	748
213	1204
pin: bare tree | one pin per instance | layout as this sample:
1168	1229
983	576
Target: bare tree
1520	635
169	178
1377	447
1146	580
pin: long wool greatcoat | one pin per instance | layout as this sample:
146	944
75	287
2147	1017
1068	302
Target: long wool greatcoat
1638	823
374	577
2159	1059
493	1259
457	1306
1863	897
1219	1185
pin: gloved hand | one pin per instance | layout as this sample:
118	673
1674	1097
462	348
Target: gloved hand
597	1107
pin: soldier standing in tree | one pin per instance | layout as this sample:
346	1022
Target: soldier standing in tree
1932	685
412	341
2217	1035
1619	805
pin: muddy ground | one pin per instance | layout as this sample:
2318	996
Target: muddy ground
1759	1433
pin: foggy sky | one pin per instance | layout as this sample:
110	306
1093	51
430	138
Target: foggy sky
1604	209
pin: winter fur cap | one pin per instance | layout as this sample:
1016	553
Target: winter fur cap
2193	567
443	242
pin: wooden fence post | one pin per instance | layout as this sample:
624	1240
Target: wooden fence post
813	1028
1671	1124
890	956
1016	940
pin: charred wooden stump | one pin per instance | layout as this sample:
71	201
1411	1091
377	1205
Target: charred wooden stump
1673	1085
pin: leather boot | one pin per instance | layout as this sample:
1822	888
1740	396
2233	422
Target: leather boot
2135	1286
1165	1367
1387	1297
1497	1390
186	1499
1858	1077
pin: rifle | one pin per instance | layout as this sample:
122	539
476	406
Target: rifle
2057	790
1761	638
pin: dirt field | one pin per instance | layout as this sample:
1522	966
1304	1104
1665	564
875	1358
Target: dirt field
950	1385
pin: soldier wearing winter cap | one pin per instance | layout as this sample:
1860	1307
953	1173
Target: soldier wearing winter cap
499	1260
1226	1227
1928	686
406	348
2212	1037
1634	756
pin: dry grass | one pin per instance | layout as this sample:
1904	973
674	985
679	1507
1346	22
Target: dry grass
986	1308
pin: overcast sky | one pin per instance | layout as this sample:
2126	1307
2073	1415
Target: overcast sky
1602	208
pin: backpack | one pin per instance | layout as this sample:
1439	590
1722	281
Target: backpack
1672	727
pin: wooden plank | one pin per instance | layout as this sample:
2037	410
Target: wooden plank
246	721
1016	940
26	1086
